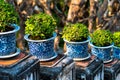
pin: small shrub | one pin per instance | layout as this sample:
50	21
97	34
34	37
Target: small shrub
8	15
116	39
101	38
75	32
40	26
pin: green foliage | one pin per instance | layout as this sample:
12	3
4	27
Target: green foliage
62	7
8	15
40	26
101	38
75	32
116	39
60	4
57	18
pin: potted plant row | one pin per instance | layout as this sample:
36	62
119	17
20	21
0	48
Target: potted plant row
76	39
8	28
40	36
102	42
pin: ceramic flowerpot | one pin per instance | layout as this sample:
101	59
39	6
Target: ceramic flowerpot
116	52
42	49
104	53
77	50
8	41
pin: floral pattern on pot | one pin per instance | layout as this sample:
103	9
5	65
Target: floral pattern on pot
116	52
77	50
42	49
8	41
104	53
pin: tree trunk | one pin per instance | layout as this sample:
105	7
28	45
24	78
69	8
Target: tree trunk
92	15
76	10
46	6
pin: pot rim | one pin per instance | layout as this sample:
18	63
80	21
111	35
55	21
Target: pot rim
16	28
110	46
26	37
77	42
116	47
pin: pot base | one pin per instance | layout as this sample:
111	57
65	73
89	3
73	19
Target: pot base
81	59
108	61
11	55
48	59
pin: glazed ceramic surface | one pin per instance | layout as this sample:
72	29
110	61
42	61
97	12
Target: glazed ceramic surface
77	50
42	49
116	52
104	53
8	41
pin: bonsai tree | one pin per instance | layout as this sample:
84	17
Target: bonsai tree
101	44
40	26
8	28
116	47
76	40
75	32
116	39
8	16
40	36
101	38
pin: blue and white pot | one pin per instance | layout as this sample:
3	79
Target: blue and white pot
8	41
77	50
42	49
104	53
116	52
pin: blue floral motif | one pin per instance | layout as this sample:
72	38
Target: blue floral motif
103	53
116	52
77	50
41	49
8	41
